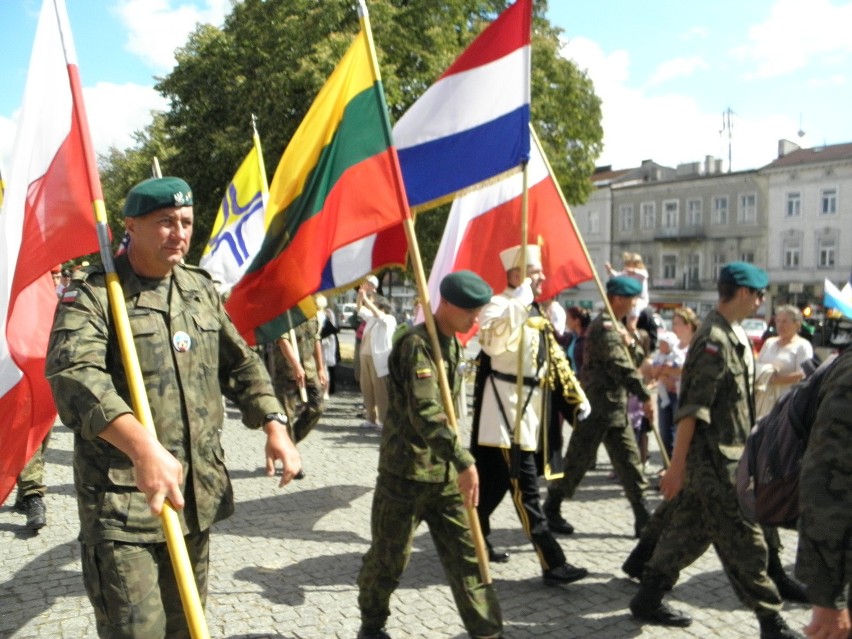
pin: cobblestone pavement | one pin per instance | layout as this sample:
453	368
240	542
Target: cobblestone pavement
284	566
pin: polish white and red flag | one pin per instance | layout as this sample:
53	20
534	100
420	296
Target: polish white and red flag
46	220
487	221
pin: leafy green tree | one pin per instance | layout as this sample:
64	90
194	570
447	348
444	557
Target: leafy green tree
271	57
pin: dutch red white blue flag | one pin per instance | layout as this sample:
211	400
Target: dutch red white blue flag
473	123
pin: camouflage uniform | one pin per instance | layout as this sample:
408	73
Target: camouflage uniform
608	374
31	480
824	559
284	380
189	354
716	390
419	462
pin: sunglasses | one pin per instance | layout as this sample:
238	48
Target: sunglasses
759	292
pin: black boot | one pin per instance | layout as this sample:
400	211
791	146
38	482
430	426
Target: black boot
496	557
552	506
648	606
773	626
641	516
36	512
788	588
564	574
636	560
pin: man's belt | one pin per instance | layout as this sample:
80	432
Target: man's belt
506	377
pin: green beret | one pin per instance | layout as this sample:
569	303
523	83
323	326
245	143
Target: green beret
157	193
623	286
744	274
466	289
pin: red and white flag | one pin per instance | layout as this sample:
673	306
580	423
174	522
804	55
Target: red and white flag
46	220
487	221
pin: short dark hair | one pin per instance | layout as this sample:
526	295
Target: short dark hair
727	290
581	314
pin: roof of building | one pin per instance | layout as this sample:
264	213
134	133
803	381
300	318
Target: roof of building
813	155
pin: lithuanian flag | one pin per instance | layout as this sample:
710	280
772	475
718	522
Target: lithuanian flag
337	182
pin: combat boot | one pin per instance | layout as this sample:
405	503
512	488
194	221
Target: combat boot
552	506
773	626
789	588
496	557
373	634
36	512
564	574
648	606
636	560
641	516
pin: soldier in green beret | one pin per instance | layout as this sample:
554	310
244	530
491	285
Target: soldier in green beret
715	414
425	473
189	355
609	372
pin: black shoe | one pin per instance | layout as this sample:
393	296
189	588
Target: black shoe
660	614
774	627
496	557
564	574
790	589
373	634
558	524
36	512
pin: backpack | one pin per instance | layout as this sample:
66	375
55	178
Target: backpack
768	473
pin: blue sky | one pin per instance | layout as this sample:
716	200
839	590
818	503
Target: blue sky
665	70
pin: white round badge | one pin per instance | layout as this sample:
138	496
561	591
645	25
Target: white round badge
181	341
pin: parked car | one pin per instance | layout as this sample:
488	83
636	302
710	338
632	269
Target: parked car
754	327
344	312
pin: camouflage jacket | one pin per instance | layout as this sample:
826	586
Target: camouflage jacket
307	335
189	354
716	389
824	560
417	440
608	372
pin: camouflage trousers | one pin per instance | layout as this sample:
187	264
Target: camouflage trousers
399	505
707	512
618	438
133	590
31	479
302	418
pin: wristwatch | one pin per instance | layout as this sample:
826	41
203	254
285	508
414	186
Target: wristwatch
281	418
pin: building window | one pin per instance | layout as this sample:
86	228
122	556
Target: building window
720	210
794	204
669	267
747	256
748	209
826	249
648	215
671	208
594	223
718	263
693	212
792	254
693	274
828	202
625	213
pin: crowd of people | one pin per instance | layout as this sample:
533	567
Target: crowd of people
542	372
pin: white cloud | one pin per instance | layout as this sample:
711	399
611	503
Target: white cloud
117	111
796	33
156	28
695	33
670	129
677	68
114	111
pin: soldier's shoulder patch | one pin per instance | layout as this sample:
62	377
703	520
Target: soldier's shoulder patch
69	296
712	348
423	373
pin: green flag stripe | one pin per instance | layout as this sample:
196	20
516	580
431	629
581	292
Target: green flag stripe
363	132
